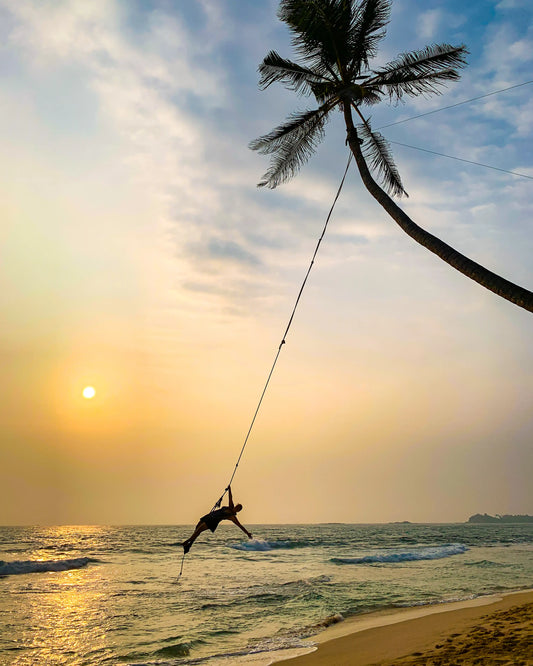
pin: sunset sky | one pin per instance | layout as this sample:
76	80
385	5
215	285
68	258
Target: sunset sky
138	257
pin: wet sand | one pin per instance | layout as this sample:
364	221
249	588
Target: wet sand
485	631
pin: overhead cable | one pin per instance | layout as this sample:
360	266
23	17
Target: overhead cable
451	106
459	159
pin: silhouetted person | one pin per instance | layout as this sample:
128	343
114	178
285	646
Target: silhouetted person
211	521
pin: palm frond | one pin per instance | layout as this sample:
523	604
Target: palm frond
369	20
274	69
378	153
319	31
370	96
291	144
361	94
337	17
420	84
324	90
420	72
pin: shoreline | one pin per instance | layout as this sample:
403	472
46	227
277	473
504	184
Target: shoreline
419	635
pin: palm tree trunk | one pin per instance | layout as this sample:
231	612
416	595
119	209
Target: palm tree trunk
511	292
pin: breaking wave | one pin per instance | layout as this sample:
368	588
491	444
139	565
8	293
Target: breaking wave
37	566
260	544
412	555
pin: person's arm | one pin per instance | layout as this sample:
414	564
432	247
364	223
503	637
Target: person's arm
235	520
231	505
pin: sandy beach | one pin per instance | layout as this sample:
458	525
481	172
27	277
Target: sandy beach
486	630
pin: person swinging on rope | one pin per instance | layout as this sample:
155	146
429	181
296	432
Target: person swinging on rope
211	521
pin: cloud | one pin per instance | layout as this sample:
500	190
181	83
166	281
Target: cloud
217	249
159	88
167	91
428	23
433	22
506	54
513	4
134	82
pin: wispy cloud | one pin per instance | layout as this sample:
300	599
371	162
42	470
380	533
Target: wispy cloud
125	128
428	23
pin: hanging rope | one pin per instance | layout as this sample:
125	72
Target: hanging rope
219	501
181	568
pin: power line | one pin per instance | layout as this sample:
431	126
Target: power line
459	159
451	106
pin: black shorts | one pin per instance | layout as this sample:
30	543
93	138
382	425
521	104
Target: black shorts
212	520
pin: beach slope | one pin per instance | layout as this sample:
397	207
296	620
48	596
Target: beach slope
485	631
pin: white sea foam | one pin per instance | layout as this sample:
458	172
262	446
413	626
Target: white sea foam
260	544
412	555
38	566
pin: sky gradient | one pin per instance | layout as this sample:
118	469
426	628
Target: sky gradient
138	256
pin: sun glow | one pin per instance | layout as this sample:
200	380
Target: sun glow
89	392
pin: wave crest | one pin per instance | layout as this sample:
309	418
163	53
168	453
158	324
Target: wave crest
413	555
262	545
36	566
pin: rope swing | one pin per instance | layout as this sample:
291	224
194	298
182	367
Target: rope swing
283	339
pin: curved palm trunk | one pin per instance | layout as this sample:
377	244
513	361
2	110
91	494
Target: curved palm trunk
511	292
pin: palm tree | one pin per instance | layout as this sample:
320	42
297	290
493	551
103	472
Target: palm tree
335	41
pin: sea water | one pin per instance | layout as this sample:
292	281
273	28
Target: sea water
112	595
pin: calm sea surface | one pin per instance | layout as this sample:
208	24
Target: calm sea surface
111	595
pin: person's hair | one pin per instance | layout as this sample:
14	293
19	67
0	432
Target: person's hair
238	507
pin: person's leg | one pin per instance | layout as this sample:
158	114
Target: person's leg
201	527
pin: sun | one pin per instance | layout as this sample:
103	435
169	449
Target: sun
88	392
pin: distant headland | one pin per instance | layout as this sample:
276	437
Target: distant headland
485	518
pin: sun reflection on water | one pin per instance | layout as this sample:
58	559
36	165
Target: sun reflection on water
64	612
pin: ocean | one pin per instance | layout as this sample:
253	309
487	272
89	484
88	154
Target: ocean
99	595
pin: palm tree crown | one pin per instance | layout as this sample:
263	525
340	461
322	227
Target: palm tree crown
335	41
